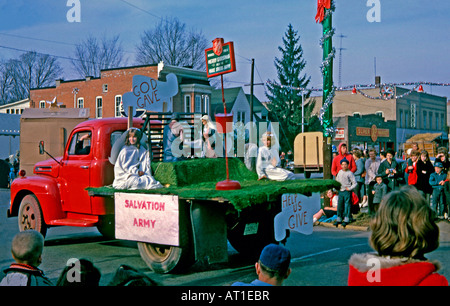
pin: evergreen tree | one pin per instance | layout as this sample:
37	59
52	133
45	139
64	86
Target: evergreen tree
286	103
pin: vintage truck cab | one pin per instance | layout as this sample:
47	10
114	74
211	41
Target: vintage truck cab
56	194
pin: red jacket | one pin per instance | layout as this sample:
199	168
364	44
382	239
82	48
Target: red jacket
392	272
336	164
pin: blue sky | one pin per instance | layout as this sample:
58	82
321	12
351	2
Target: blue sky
411	42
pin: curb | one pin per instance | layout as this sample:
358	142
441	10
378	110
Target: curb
349	227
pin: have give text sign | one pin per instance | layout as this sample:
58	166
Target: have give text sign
297	211
149	218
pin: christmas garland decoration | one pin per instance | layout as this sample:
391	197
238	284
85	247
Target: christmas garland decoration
325	9
385	88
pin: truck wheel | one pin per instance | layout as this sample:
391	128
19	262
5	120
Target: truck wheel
106	226
30	215
161	258
249	234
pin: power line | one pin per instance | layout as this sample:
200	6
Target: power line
50	41
40	53
141	9
38	39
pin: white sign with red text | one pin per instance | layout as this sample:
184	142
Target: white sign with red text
297	211
149	218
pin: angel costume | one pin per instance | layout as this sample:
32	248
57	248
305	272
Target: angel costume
129	162
264	166
208	137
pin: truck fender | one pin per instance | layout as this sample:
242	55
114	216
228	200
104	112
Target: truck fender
46	191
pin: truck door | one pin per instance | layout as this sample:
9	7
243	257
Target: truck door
75	173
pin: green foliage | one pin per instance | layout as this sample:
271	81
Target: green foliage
286	103
195	171
196	179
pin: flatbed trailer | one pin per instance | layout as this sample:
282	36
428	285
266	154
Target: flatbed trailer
208	218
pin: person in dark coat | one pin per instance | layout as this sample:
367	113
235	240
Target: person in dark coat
379	191
390	171
424	169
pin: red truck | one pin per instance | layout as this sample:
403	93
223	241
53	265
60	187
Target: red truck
56	194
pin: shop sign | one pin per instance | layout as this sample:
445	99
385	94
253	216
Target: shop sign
372	132
340	133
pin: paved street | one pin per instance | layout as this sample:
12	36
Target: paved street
318	259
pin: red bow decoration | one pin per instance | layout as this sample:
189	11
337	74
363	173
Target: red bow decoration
321	6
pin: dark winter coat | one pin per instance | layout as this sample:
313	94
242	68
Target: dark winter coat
380	192
424	170
391	180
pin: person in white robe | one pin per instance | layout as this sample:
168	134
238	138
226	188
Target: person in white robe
268	162
132	167
209	130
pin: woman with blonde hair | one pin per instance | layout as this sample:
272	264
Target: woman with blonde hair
403	231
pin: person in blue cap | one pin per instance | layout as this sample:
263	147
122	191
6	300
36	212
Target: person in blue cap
437	181
272	267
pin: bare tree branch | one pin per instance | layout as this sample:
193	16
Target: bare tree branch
93	55
30	70
173	44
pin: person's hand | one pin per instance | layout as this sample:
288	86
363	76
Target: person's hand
85	136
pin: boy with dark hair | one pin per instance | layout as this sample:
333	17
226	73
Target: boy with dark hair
348	183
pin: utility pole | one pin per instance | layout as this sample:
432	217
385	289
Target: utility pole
340	59
251	89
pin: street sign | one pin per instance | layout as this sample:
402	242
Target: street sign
220	58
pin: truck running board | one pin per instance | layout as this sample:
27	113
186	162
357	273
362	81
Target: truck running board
74	222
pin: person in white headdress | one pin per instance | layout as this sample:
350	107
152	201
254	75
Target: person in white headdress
208	136
132	167
268	162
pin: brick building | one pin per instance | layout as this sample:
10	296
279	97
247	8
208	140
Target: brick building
103	95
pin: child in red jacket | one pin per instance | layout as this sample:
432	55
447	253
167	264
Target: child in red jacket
400	243
343	153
